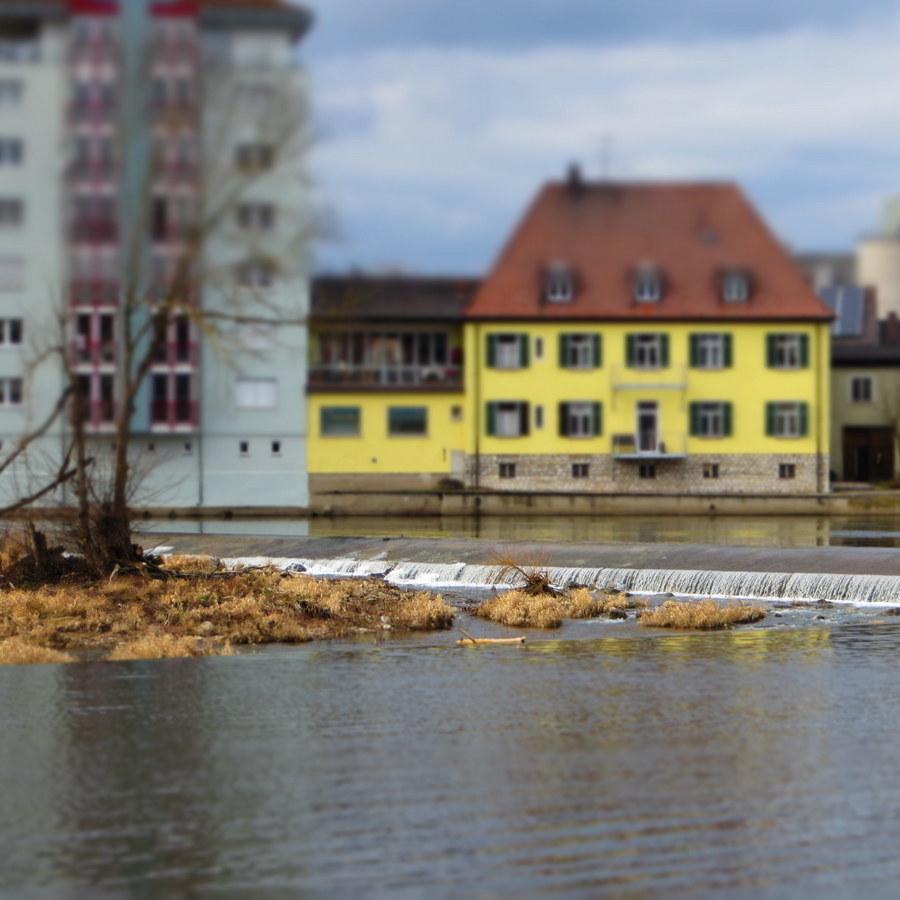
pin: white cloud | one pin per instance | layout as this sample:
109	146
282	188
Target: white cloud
455	142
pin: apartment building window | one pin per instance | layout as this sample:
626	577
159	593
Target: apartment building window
244	448
12	211
11	91
256	216
787	351
735	287
647	351
710	470
252	157
456	413
579	351
861	389
255	335
710	351
12	151
339	421
507	419
648	285
646	470
407	421
507	351
787	420
11	331
559	284
10	392
580	470
256	393
256	274
507	470
580	419
787	470
710	419
276	448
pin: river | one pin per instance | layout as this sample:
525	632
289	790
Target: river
603	758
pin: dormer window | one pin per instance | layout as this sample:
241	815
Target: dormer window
559	284
735	287
648	285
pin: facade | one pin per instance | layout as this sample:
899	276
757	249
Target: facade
631	338
107	117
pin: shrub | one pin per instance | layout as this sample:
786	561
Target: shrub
702	615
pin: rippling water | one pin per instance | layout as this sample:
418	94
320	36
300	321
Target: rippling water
599	759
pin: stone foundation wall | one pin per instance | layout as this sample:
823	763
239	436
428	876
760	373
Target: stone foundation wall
737	474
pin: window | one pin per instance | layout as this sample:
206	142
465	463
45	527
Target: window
10	391
647	351
244	448
339	421
735	287
11	211
710	419
646	470
507	351
276	448
255	335
559	285
787	420
151	447
580	470
456	413
256	393
579	351
710	351
256	216
188	448
507	470
253	157
256	273
648	286
407	420
710	470
580	420
787	351
861	389
787	470
11	152
10	332
507	419
10	93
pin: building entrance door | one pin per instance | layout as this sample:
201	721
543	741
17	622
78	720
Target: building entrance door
647	427
868	454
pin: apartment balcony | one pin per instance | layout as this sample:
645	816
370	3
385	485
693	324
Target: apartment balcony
670	378
174	415
380	378
94	48
93	170
97	416
94	231
174	354
175	171
93	111
649	447
93	292
95	354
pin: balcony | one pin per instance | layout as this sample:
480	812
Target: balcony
93	353
95	415
93	170
670	378
93	111
178	415
649	447
94	231
174	354
91	292
340	377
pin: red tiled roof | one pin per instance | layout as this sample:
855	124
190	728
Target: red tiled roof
692	233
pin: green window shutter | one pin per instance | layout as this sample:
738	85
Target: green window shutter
491	350
804	419
727	350
770	419
695	419
630	352
770	350
491	418
664	350
804	350
694	350
563	419
523	350
726	419
598	354
597	416
563	351
524	416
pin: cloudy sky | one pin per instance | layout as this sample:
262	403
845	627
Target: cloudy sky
437	119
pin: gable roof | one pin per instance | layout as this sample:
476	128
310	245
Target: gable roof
691	232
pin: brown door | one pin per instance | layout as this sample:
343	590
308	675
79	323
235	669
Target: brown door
868	454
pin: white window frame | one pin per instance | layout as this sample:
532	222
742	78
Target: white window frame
508	419
559	284
579	351
508	351
786	351
648	351
860	380
711	420
735	287
786	422
11	388
710	351
579	420
256	393
7	327
648	285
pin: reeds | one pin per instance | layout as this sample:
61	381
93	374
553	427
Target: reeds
18	652
521	609
701	615
166	646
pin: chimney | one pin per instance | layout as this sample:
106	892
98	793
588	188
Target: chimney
891	330
574	179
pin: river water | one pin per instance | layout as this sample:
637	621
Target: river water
603	758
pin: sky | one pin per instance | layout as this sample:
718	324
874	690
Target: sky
437	120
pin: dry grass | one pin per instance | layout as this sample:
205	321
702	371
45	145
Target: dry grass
19	652
701	615
521	609
190	563
145	616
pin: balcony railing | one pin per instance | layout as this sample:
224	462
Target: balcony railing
95	110
95	415
649	446
344	376
176	353
175	413
90	292
94	230
93	170
643	378
93	353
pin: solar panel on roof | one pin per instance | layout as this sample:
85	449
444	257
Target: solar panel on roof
847	302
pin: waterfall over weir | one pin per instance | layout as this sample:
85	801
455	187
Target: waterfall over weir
855	589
